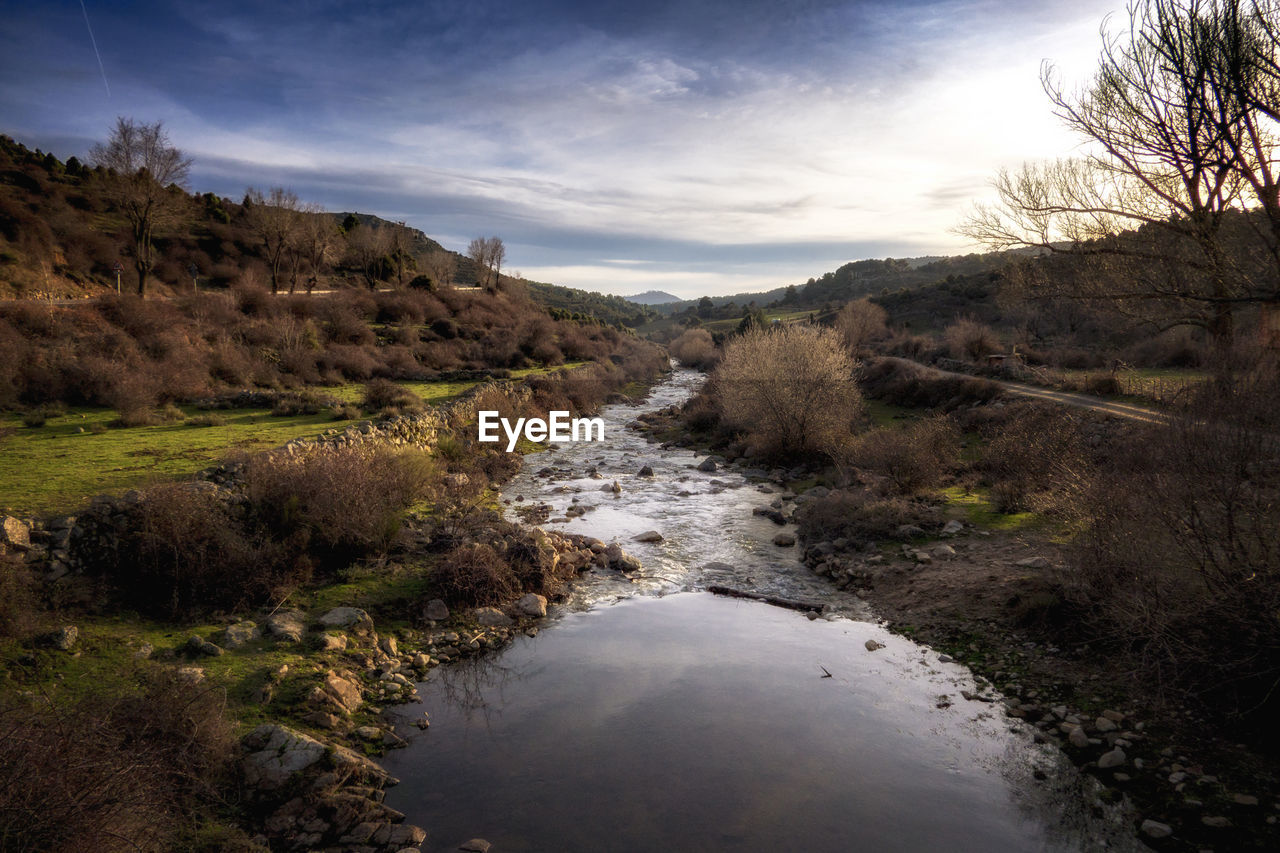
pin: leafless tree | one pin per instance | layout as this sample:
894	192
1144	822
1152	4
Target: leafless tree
276	218
488	254
145	174
316	243
1176	144
441	266
368	248
400	243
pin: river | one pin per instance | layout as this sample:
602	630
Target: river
651	715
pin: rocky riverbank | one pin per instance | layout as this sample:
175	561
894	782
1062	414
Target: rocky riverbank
988	598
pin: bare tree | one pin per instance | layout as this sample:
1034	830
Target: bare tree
276	218
145	174
316	243
400	242
488	254
1174	149
368	248
441	266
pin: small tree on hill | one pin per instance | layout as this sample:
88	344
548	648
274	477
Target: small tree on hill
276	218
144	175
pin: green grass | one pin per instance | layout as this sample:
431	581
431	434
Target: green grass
981	512
58	467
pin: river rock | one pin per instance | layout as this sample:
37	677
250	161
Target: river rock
532	604
286	625
333	642
62	638
436	610
1033	563
198	645
707	465
15	534
784	540
492	617
943	552
952	527
873	645
275	753
649	536
1114	758
1078	737
1105	724
340	693
352	619
770	513
1155	829
646	471
475	845
240	633
909	531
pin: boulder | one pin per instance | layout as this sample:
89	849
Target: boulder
952	527
338	692
333	642
275	753
1155	829
646	471
389	646
198	645
784	540
708	465
436	610
648	536
240	633
532	604
15	534
286	625
350	618
492	617
943	552
873	645
475	845
1114	758
62	638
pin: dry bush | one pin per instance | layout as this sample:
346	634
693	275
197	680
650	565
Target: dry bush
475	575
348	501
112	773
904	383
790	389
860	517
1035	459
701	412
533	562
182	549
860	322
383	394
1180	561
695	348
967	338
914	457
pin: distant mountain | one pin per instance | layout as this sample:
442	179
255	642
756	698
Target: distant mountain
652	297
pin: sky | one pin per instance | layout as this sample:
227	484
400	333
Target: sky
693	146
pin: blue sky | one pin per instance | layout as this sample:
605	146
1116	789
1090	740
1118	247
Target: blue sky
694	147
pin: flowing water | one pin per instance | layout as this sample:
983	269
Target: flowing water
649	715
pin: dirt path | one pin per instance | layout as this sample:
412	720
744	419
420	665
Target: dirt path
1084	401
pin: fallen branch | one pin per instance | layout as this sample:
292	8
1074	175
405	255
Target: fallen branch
767	599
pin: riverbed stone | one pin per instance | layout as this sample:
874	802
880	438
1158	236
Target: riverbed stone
648	536
1033	563
475	845
532	604
338	692
62	639
333	642
275	753
646	471
873	645
784	540
1156	829
240	633
1078	737
1114	758
352	619
436	610
492	617
952	527
286	625
197	645
707	465
15	534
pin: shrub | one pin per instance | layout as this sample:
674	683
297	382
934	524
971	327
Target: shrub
181	549
967	338
915	457
475	575
1035	458
915	386
861	322
348	501
112	773
695	348
860	517
790	389
384	394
